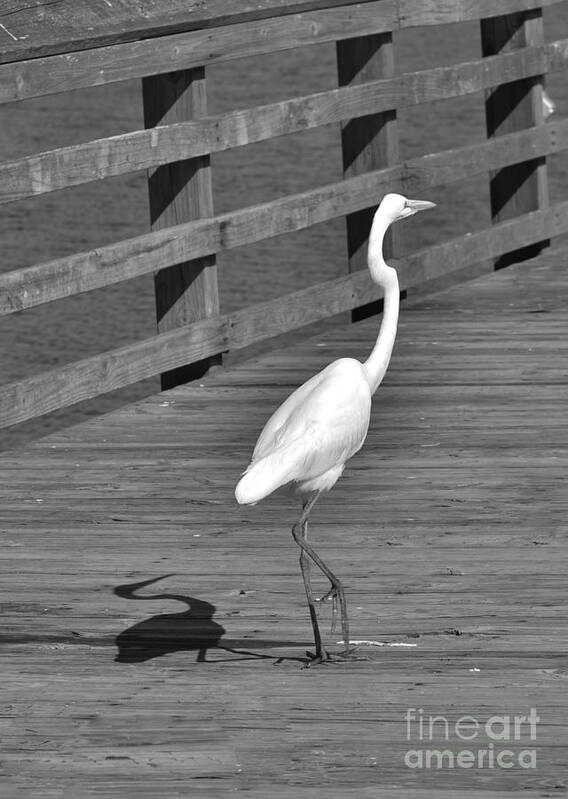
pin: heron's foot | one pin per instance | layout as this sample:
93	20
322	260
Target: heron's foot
344	656
314	659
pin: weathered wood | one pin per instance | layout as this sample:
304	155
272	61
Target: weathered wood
123	366
95	66
522	187
43	393
368	142
45	28
415	13
448	529
180	192
186	50
129	152
34	285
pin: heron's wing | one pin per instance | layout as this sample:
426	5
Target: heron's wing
278	467
315	400
319	432
269	438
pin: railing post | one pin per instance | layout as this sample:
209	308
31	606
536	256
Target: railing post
180	192
520	188
368	143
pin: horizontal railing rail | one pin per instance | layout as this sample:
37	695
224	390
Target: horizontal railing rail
59	388
512	69
113	263
93	67
145	149
45	28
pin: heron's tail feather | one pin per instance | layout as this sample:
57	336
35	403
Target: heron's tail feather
269	473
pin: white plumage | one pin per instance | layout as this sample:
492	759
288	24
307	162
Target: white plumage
324	422
309	438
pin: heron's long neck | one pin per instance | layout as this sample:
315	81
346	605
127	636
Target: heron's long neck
377	363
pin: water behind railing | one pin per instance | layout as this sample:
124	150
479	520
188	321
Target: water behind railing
78	219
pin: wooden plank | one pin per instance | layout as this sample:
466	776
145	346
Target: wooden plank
474	248
415	13
46	28
35	285
179	192
368	142
522	187
94	67
90	377
120	367
150	56
129	152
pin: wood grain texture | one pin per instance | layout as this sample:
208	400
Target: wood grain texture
67	385
513	107
35	285
368	142
180	192
74	68
102	65
45	28
130	152
448	529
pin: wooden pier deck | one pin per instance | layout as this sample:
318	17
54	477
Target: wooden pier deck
449	529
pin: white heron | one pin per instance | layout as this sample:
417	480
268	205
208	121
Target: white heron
309	438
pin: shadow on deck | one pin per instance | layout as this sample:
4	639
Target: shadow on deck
449	529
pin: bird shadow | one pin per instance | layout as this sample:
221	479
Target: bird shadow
191	630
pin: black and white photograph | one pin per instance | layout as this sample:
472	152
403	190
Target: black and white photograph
283	399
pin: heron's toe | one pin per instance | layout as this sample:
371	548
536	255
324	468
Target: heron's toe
314	659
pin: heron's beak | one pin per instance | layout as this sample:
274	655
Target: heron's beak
418	205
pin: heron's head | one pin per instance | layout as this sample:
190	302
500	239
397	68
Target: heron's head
395	206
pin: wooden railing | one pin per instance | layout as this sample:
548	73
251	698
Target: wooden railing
76	46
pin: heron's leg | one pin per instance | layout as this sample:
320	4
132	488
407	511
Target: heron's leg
305	565
331	594
299	533
301	528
